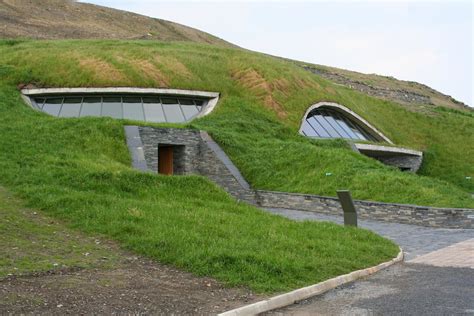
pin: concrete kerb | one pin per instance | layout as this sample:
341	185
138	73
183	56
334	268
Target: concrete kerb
292	297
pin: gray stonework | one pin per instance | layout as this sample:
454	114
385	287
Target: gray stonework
402	162
399	213
197	153
403	158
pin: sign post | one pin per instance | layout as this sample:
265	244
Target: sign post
350	212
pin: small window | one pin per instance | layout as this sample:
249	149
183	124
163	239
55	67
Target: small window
186	101
112	107
53	106
71	107
38	103
91	106
153	110
173	113
133	109
169	101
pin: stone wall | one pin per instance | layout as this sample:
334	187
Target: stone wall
404	163
195	153
399	213
199	154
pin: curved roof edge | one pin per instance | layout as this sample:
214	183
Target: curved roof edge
211	103
388	149
347	112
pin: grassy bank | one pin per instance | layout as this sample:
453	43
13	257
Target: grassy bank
258	116
78	170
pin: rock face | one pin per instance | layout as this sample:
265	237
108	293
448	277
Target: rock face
411	94
66	19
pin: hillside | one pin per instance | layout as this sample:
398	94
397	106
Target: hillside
413	95
67	19
258	116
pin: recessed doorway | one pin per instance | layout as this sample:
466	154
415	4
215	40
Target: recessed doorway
165	159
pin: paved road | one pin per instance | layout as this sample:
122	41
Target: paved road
403	289
424	285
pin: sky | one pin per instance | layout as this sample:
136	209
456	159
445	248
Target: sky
430	42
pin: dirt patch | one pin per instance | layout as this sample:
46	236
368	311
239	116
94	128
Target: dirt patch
256	83
137	286
173	65
101	70
149	70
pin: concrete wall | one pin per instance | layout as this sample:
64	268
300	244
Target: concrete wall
399	213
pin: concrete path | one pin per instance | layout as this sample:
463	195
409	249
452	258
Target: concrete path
436	279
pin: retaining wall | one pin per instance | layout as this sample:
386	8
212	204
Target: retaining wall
199	154
388	212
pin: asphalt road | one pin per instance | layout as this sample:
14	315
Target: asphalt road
403	289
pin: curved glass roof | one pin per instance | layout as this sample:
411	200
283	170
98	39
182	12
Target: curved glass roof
327	123
149	108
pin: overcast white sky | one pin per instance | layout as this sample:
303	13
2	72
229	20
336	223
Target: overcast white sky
426	41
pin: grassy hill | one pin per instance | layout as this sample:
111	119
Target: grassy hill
67	19
257	119
79	170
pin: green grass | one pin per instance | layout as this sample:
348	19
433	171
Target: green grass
78	170
262	144
32	242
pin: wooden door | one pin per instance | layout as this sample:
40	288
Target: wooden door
165	160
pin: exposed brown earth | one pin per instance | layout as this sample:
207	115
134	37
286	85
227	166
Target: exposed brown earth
256	83
48	268
137	286
67	19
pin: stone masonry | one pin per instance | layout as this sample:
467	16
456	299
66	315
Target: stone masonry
388	212
197	153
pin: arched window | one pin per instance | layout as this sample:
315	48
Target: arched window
149	105
331	120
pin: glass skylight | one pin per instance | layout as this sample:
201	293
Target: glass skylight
328	123
150	108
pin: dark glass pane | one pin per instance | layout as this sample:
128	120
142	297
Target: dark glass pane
52	106
132	109
91	106
199	102
336	126
308	130
71	107
189	111
186	102
154	100
173	113
169	100
153	112
317	127
112	107
354	128
343	125
38	102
